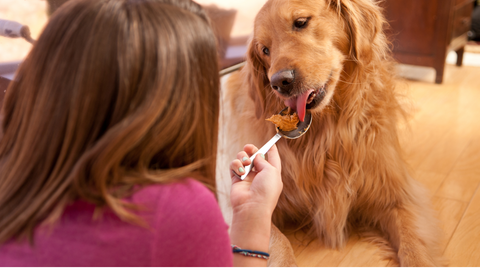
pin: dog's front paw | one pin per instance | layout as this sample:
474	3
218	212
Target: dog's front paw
281	251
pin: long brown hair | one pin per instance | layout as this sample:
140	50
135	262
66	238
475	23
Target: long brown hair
114	95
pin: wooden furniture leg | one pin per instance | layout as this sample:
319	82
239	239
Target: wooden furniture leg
439	69
460	56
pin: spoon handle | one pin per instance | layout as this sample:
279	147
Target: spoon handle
262	150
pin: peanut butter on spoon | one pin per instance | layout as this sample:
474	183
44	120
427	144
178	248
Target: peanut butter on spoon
287	122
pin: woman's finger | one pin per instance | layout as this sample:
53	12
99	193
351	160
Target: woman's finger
237	167
244	157
250	149
274	157
260	163
273	160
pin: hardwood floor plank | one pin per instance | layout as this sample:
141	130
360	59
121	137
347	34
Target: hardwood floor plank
317	255
465	176
446	153
470	159
464	248
459	185
429	129
419	145
364	254
431	180
450	213
298	244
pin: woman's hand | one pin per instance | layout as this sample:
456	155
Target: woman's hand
253	201
261	188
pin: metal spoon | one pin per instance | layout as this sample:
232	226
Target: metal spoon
294	134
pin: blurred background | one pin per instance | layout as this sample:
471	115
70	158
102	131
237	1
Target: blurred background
235	17
425	33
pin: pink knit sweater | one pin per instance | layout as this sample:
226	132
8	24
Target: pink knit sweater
186	229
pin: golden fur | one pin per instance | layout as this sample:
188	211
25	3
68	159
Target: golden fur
347	171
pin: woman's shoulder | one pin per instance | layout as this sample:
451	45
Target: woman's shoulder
183	198
182	190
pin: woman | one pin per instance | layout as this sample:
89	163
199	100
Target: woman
108	147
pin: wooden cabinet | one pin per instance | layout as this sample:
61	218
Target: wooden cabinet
423	31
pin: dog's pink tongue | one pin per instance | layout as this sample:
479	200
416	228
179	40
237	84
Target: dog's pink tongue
299	104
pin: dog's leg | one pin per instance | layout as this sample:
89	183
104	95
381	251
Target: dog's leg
281	251
402	230
413	231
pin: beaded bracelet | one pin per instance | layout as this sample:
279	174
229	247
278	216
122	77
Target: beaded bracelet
251	253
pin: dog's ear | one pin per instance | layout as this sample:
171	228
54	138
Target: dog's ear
364	21
257	79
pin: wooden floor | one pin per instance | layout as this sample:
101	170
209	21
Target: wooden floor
443	147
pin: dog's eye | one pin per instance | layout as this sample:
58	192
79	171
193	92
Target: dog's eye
301	23
266	51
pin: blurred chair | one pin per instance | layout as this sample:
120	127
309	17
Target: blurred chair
231	50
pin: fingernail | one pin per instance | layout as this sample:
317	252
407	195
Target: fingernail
244	159
262	155
241	170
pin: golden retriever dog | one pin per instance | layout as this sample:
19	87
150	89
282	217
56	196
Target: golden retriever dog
331	58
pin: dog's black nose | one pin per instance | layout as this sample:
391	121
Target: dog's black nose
282	81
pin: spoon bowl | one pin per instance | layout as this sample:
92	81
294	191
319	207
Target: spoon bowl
301	129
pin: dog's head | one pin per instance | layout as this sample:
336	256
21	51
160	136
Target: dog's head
302	48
